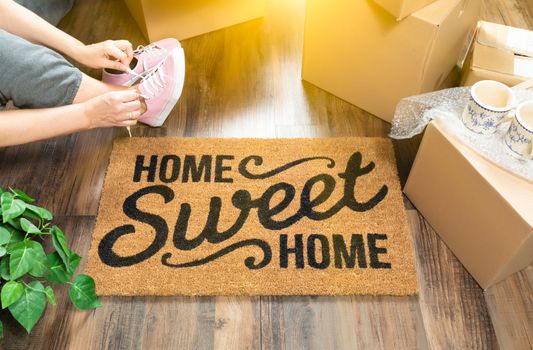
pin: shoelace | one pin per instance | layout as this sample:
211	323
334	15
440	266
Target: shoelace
150	50
152	81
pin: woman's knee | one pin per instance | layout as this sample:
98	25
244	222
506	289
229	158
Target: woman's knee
34	76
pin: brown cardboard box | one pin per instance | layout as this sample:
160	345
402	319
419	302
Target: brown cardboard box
183	19
402	8
499	53
358	52
483	213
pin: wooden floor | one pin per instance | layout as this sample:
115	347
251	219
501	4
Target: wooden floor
245	81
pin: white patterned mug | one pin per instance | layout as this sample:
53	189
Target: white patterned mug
490	103
519	137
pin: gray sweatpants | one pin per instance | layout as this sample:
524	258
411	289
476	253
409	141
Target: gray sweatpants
33	76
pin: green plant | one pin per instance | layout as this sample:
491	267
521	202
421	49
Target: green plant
25	268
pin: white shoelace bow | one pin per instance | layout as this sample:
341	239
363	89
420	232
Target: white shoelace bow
151	50
153	81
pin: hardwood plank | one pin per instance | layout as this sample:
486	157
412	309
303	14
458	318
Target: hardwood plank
65	174
178	323
515	13
510	304
292	131
359	322
237	323
454	311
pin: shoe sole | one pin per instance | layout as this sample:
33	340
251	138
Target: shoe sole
178	56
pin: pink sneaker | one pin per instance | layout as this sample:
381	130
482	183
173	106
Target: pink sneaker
144	59
161	88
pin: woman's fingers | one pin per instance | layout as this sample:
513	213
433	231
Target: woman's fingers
128	122
117	65
121	51
132	105
112	50
126	95
127	48
130	115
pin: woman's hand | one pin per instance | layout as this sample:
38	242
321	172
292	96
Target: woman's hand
113	54
117	108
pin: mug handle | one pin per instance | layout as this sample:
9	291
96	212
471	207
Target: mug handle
507	118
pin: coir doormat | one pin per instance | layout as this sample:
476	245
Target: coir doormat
181	216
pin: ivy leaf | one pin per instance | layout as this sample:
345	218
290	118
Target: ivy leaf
16	237
11	208
5	235
61	245
11	292
27	310
28	227
15	223
3	251
73	264
6	200
41	212
49	292
22	195
40	262
29	214
4	268
21	258
58	273
83	293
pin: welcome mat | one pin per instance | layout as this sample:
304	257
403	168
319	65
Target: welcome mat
182	216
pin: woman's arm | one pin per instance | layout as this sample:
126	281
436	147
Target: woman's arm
118	108
20	21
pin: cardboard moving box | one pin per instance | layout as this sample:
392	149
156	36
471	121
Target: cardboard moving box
358	52
402	8
183	19
499	53
483	213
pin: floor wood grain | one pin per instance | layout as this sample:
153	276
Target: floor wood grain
245	81
451	302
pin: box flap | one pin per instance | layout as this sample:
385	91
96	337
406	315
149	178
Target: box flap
503	49
435	13
402	8
515	40
493	58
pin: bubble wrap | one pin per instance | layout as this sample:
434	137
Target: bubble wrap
445	107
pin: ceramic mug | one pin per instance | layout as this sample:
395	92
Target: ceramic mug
519	137
490	103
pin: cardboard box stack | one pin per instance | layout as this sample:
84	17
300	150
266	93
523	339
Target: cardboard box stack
482	212
359	52
183	19
499	53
